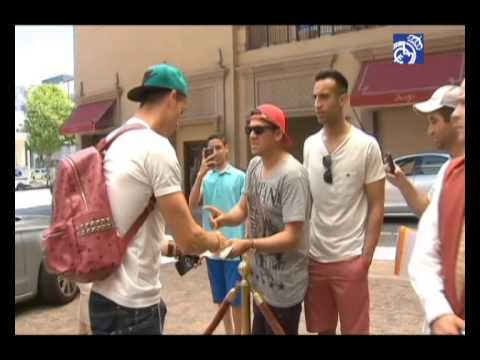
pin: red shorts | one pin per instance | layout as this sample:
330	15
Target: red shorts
338	289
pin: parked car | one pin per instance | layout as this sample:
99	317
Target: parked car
39	174
22	179
422	170
31	278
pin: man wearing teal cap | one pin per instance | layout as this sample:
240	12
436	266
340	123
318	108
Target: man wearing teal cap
138	164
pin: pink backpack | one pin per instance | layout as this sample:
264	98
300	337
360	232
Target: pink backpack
82	242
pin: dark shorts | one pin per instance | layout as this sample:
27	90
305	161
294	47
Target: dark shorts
223	276
288	317
109	318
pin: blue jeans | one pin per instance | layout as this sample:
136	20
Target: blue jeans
109	318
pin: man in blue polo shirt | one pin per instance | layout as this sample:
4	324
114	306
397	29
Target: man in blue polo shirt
220	184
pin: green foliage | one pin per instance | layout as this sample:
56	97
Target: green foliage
48	106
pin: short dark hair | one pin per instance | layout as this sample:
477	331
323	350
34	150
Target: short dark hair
446	113
220	137
258	112
340	80
253	112
153	95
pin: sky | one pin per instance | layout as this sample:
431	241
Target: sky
42	52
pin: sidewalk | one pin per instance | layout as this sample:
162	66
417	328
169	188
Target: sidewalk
394	306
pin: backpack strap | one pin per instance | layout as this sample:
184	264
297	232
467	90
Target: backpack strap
139	222
105	143
103	146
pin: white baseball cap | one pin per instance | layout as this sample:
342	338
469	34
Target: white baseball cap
444	96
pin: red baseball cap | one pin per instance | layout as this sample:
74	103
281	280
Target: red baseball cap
276	116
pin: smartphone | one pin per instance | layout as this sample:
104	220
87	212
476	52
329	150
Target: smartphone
185	263
390	162
209	151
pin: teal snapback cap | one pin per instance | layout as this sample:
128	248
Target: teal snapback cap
163	76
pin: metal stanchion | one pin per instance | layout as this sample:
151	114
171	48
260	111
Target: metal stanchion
268	314
246	288
224	306
244	269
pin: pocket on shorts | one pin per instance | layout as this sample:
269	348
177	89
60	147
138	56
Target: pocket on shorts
360	266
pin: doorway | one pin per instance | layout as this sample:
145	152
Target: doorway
300	129
192	151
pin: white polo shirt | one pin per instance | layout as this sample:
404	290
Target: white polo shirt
339	213
138	164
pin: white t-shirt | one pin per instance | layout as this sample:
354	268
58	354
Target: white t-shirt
137	164
339	212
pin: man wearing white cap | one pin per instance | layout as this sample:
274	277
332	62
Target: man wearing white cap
437	265
438	110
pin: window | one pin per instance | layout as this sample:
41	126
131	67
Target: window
308	31
259	36
407	166
430	165
278	34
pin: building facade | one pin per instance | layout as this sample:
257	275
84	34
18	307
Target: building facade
231	69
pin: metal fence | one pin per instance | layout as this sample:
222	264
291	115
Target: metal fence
267	35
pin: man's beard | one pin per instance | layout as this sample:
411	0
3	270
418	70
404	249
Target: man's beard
321	121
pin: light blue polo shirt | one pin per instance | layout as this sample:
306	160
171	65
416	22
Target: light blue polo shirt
223	189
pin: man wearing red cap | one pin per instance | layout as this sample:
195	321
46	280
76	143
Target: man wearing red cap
347	178
277	202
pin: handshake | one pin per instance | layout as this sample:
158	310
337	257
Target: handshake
185	263
224	249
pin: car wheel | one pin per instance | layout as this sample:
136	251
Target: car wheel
56	289
21	186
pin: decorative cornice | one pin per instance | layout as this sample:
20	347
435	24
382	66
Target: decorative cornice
286	63
199	120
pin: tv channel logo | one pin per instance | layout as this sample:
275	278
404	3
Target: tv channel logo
408	49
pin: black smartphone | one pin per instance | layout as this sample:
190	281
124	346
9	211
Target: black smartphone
209	151
185	263
390	162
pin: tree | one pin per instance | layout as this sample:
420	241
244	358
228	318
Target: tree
48	106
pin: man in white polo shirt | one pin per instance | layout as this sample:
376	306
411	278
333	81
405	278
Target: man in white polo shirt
347	181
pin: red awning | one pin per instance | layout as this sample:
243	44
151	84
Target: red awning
383	83
88	117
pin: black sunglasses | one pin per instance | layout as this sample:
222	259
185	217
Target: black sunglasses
258	130
327	175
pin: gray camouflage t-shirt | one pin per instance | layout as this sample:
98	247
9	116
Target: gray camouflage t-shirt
282	198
